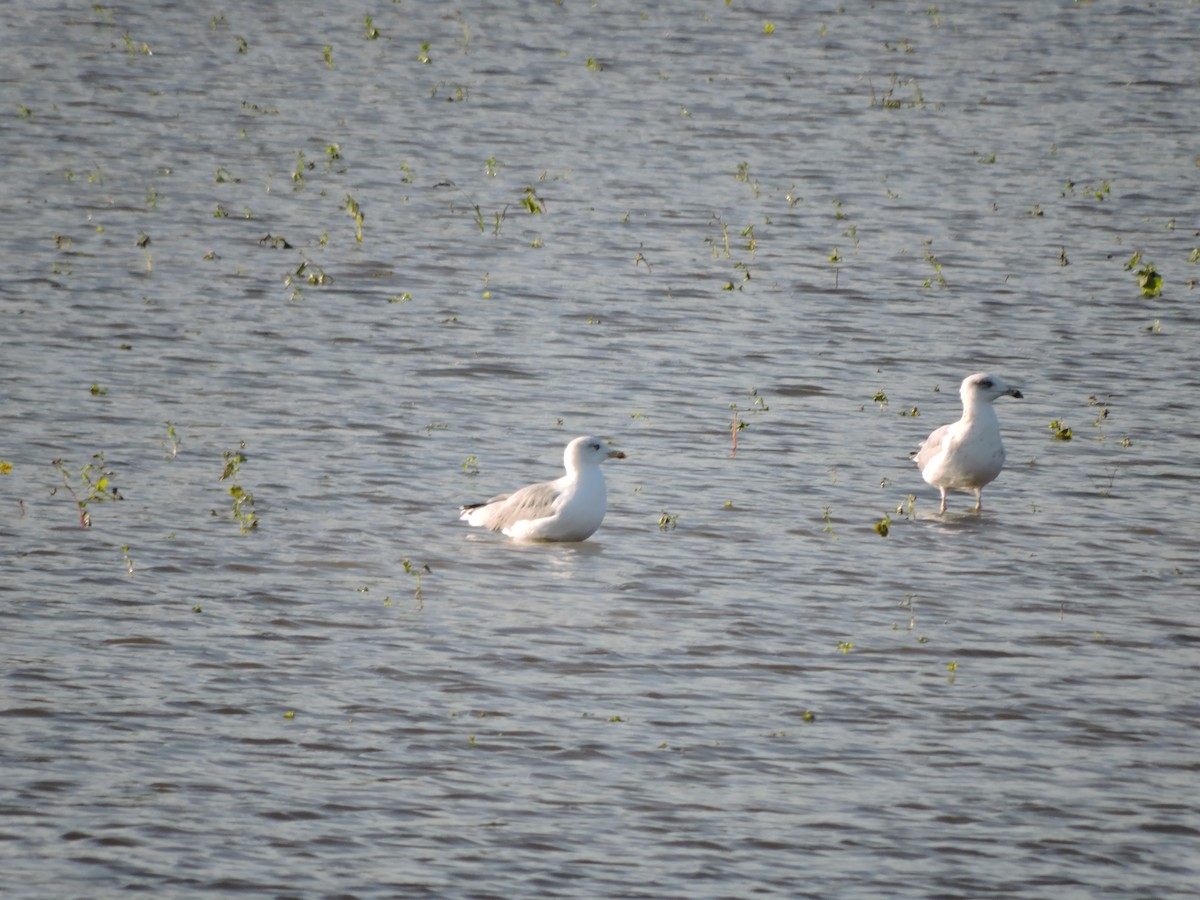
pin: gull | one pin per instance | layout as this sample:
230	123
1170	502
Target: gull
570	508
967	454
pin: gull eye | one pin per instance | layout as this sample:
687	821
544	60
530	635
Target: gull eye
986	383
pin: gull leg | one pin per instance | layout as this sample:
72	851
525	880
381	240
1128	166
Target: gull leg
978	499
943	509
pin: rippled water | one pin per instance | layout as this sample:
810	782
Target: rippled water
612	219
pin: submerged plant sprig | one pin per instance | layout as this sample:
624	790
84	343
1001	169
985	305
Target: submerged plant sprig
1148	278
242	500
95	486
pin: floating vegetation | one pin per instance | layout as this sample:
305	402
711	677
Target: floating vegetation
243	501
927	254
171	444
845	646
457	94
883	526
1060	430
94	486
743	175
532	202
667	521
1148	278
889	99
415	572
827	518
350	205
143	241
758	405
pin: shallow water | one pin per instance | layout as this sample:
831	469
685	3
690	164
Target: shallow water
662	710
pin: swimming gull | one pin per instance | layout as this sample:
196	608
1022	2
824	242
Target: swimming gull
570	508
967	454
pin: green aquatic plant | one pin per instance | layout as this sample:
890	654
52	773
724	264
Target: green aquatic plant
667	521
302	165
94	485
827	517
327	54
1060	430
352	208
479	217
758	405
1148	278
845	646
464	42
743	175
134	48
724	241
889	99
457	94
883	526
143	242
532	202
938	277
1101	415
471	466
423	54
415	572
308	272
242	500
835	257
171	443
372	33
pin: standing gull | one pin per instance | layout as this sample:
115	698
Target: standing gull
967	454
568	509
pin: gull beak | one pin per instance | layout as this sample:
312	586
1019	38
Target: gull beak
615	454
1013	392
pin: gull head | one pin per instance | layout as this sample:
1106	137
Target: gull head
584	451
985	387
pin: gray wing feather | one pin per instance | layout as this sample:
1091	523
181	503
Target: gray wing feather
931	446
535	501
